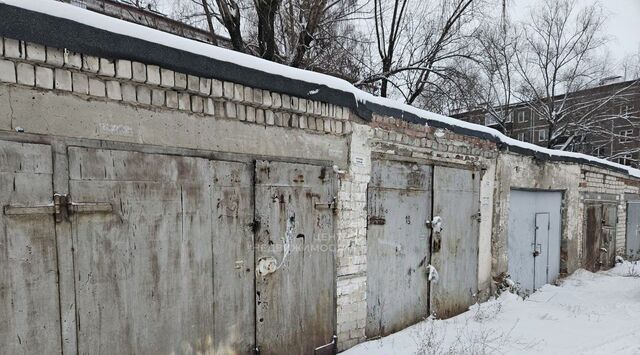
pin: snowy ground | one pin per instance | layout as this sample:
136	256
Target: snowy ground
587	314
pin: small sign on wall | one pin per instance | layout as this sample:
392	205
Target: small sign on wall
359	161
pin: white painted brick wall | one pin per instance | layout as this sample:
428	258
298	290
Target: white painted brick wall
123	69
26	74
352	241
62	80
107	67
97	87
80	83
44	78
7	71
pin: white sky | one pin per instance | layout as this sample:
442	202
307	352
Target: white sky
622	24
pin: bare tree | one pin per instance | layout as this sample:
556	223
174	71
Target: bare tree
498	68
601	124
284	31
387	37
420	45
631	66
559	56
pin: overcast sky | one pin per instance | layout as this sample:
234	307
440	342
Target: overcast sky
623	22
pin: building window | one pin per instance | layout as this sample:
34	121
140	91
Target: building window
521	118
625	159
522	137
490	119
542	135
624	111
599	152
626	136
510	117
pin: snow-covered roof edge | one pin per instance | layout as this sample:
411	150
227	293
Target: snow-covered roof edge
62	25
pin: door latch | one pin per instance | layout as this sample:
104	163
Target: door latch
436	224
537	249
266	265
60	208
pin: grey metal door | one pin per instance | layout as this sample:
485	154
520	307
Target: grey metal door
534	238
295	262
143	271
456	200
29	308
233	269
541	250
399	207
633	230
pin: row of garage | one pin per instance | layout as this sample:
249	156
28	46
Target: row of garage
180	252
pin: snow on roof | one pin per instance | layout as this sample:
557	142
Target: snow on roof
121	27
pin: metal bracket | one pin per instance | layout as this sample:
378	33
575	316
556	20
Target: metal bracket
60	208
60	202
89	207
377	220
320	205
10	210
330	348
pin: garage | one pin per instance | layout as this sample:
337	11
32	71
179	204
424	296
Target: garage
165	252
632	240
420	215
534	238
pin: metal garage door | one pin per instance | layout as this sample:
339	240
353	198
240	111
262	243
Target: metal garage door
401	244
233	269
599	243
143	270
164	253
29	308
633	230
399	207
295	261
534	238
456	200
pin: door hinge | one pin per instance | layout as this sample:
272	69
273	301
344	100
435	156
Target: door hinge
60	202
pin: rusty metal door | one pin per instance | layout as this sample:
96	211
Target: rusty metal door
593	237
143	271
295	262
608	243
599	247
633	230
233	269
454	251
29	307
398	209
534	238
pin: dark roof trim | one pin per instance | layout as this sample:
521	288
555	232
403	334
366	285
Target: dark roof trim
36	27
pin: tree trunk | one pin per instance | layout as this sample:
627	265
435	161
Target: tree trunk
266	10
207	13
